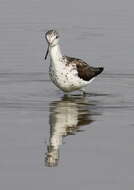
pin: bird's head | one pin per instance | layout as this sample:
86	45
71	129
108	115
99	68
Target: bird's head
52	38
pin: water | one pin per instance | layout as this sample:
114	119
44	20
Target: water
51	141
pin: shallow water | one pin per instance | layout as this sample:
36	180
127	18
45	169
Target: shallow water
48	140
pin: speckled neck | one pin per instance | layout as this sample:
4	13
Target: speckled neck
55	53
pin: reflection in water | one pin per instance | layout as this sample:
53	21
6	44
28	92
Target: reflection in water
66	118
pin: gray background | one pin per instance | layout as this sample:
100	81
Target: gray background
102	33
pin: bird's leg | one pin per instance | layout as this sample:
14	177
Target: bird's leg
83	90
66	94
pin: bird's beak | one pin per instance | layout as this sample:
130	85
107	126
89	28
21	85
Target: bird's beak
47	53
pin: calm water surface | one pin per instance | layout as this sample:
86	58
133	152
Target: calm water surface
51	141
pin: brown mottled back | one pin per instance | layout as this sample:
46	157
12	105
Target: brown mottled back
85	71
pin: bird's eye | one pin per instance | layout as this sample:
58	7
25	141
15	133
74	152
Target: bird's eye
56	37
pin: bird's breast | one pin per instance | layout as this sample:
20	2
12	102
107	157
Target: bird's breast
65	77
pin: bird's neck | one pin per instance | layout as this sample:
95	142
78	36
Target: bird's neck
55	53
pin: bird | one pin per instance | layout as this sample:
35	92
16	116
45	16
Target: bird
68	73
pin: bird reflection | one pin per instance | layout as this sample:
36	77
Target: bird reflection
67	116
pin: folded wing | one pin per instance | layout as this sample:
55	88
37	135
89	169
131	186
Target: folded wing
85	71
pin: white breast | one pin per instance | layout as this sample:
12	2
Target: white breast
63	76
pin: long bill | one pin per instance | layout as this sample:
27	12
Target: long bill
47	53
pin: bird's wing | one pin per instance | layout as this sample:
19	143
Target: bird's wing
85	71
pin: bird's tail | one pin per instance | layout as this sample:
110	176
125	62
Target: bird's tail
98	70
